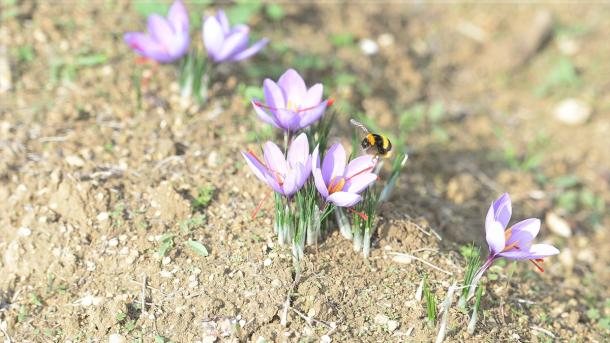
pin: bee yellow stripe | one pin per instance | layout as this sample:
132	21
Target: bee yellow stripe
386	142
371	139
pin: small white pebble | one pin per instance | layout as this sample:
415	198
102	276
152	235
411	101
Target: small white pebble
267	262
116	338
369	47
325	339
24	231
113	242
102	216
166	260
75	161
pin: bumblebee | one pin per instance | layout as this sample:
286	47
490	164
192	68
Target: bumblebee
373	143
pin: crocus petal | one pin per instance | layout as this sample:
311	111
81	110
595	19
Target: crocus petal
290	185
494	234
310	116
542	250
160	29
319	181
313	96
315	158
503	209
359	165
222	19
299	150
262	115
287	119
293	86
212	36
344	199
233	43
534	252
178	17
274	158
333	163
524	232
144	45
252	50
271	181
257	168
273	94
359	183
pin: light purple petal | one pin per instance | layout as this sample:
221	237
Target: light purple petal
494	234
310	116
313	96
274	158
160	30
144	45
315	158
344	199
252	50
293	86
524	232
503	209
271	181
542	250
223	21
264	116
233	43
515	254
359	183
535	251
213	37
333	163
299	150
319	181
257	168
287	119
291	185
178	17
360	164
273	94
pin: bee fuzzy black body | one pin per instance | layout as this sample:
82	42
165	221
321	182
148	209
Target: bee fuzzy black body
380	145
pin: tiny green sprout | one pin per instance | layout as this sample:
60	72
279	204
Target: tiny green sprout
35	299
167	242
342	39
473	318
23	314
120	316
198	248
205	194
473	261
430	303
109	147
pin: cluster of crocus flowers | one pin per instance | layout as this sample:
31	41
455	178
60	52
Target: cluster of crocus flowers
513	243
167	39
289	105
226	44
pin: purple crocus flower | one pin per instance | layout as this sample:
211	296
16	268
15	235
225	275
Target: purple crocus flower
338	184
226	44
289	104
514	243
167	39
285	175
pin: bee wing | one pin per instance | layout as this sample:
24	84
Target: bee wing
359	124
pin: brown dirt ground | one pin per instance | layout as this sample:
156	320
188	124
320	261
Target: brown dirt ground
90	182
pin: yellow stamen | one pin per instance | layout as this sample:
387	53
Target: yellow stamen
507	234
336	184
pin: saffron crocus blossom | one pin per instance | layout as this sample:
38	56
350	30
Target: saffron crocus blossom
167	39
513	243
226	44
339	184
285	175
289	105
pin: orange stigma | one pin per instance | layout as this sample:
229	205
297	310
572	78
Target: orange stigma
536	261
360	214
330	102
